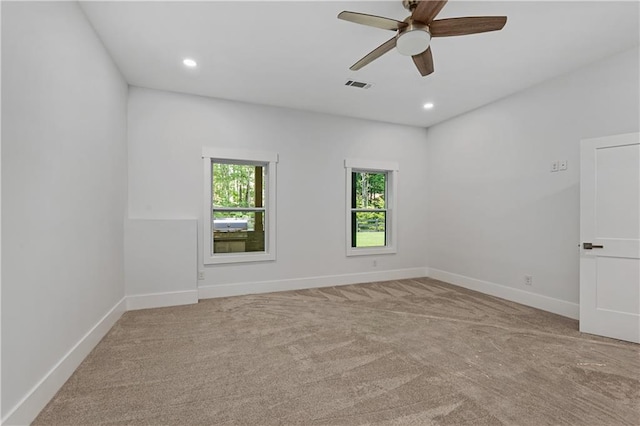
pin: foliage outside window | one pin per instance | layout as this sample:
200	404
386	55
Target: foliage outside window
239	206
368	209
370	202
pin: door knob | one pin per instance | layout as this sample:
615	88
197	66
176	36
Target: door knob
589	246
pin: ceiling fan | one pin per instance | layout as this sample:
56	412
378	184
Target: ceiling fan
413	35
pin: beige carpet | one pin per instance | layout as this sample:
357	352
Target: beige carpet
409	352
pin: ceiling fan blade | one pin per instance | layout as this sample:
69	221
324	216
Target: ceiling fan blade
427	10
424	62
469	25
374	54
372	20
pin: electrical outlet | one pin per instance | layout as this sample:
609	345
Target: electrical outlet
563	164
555	166
201	275
528	280
375	262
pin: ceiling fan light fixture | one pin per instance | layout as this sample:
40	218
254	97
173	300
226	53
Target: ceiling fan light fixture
413	41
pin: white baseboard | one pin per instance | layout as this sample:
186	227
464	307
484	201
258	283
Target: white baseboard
238	289
161	300
40	395
546	303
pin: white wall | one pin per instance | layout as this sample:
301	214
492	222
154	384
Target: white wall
167	132
161	261
495	212
63	194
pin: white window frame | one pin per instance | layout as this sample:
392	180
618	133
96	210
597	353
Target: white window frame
391	169
268	160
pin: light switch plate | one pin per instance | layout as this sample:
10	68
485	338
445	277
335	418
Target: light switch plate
563	164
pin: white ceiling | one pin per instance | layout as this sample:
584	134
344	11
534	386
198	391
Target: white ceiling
297	54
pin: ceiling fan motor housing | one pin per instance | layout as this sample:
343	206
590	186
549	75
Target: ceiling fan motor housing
413	39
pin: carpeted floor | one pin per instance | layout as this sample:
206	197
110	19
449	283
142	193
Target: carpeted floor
409	352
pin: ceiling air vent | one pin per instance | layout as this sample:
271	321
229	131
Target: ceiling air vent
358	84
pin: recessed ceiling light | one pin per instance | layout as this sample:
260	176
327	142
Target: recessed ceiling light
188	62
428	105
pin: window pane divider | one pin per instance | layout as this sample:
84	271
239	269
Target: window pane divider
239	209
368	210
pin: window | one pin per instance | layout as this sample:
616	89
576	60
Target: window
370	219
239	200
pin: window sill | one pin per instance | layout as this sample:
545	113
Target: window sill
225	258
370	251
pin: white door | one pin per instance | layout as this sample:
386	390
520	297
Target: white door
610	237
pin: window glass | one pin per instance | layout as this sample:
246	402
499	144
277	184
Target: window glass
369	189
370	229
234	185
238	208
368	214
